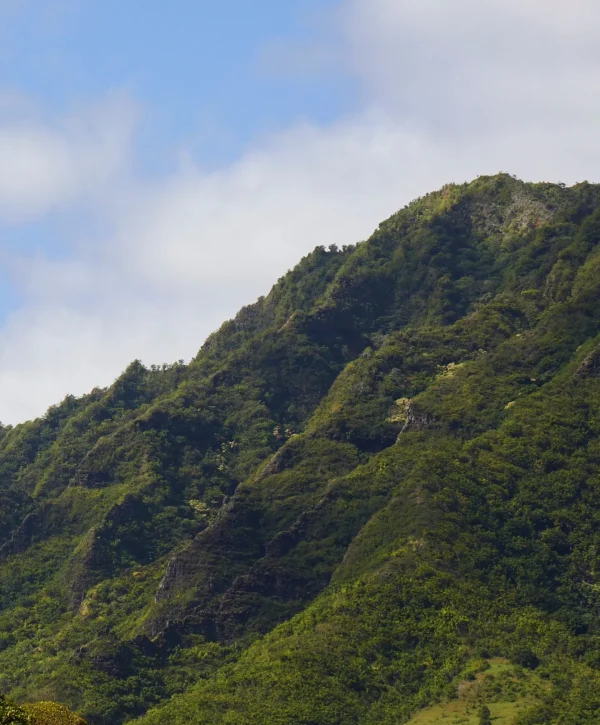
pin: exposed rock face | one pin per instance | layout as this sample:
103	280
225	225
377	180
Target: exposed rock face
194	566
83	571
521	214
590	367
416	419
224	607
177	571
273	466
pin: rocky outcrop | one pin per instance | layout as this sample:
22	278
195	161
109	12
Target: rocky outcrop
417	419
590	367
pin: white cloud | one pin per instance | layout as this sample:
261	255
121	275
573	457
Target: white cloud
451	90
188	252
47	164
467	63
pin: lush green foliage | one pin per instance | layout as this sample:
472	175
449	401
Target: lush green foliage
51	713
373	495
11	714
39	713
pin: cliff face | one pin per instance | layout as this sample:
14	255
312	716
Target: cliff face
363	489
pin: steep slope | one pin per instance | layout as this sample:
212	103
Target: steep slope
363	487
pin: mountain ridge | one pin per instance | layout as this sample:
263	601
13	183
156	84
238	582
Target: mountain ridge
371	437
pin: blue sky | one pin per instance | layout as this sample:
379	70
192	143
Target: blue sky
200	69
162	164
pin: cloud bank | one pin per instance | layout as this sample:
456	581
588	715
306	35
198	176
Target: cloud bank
448	91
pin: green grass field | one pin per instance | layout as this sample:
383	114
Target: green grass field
513	692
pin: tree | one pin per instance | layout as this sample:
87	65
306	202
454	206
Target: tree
485	716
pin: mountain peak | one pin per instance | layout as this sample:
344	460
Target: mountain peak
370	497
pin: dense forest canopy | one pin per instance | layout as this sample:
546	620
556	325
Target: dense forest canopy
372	497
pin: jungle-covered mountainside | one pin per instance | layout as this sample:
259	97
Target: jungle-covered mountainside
372	497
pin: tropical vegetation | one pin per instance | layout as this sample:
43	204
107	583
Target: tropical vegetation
372	497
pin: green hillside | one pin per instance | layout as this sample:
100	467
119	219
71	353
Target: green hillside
372	498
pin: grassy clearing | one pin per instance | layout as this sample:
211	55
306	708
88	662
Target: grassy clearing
513	689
